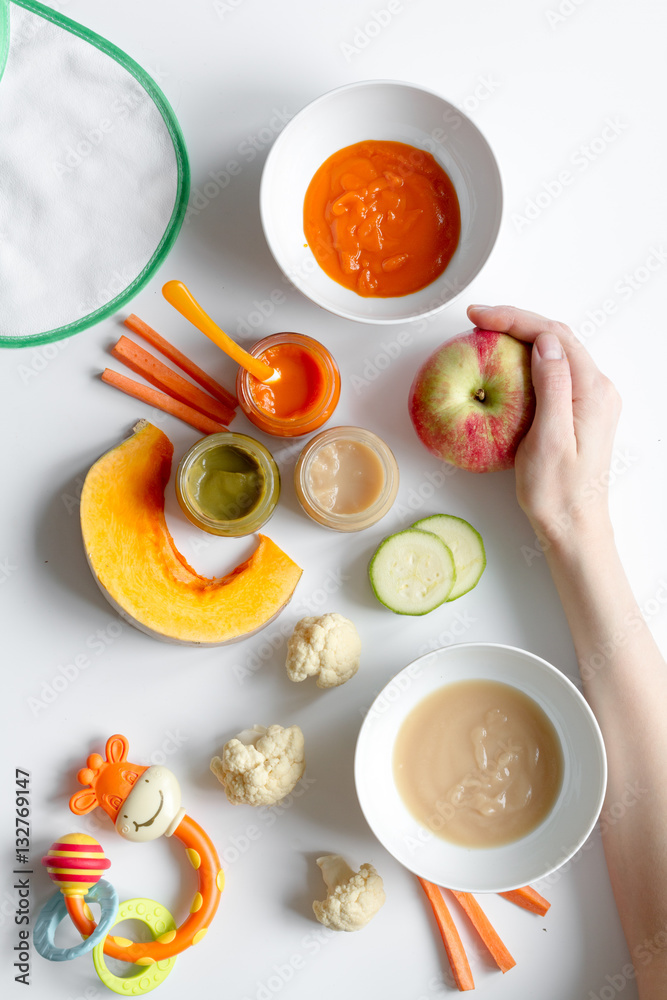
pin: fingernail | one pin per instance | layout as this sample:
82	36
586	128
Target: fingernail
479	308
549	347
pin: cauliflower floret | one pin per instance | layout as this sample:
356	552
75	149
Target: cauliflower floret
352	897
261	766
324	645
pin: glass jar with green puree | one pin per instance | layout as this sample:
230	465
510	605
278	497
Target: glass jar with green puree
228	484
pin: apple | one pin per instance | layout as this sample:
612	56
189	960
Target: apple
472	400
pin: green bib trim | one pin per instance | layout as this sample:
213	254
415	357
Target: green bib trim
183	168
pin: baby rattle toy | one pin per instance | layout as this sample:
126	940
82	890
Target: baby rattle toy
75	863
144	803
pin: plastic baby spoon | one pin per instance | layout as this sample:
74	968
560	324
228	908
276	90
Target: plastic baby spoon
181	298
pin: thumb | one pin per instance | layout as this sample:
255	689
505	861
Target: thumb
552	382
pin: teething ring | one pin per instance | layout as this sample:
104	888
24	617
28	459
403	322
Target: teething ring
160	921
144	804
56	908
210	882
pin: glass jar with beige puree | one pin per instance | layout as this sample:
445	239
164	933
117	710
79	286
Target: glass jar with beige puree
346	478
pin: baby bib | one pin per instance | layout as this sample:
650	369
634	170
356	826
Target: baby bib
94	176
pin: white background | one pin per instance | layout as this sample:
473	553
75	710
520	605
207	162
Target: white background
543	87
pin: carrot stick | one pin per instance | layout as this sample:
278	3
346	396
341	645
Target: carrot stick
529	898
162	401
450	937
189	367
162	377
485	929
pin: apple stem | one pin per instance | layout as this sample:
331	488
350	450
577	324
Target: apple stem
480	395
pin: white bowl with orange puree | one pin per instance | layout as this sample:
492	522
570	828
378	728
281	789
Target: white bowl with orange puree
442	138
346	478
481	767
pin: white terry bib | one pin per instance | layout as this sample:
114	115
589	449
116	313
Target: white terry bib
94	176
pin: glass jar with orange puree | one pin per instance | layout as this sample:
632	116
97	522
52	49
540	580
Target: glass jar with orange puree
302	398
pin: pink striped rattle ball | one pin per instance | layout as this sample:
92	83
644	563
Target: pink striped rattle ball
75	863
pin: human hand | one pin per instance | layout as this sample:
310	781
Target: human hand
562	464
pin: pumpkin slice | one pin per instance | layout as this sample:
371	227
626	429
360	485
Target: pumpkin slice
141	572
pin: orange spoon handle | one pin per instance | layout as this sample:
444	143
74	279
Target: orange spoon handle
180	297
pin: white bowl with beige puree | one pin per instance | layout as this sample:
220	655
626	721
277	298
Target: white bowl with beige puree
531	856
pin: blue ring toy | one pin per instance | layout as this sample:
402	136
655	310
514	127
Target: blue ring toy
53	912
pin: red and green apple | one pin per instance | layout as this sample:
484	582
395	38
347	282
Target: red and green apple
472	400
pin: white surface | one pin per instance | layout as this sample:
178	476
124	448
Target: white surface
583	95
380	110
508	866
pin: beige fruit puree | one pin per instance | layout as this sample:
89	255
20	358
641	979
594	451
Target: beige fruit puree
478	763
346	476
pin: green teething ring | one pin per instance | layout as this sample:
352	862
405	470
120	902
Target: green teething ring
160	921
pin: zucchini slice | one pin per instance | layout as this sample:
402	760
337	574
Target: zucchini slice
466	545
412	572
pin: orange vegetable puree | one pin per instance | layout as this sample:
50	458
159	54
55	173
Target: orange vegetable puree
300	388
382	218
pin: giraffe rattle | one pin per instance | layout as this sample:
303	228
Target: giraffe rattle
144	803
